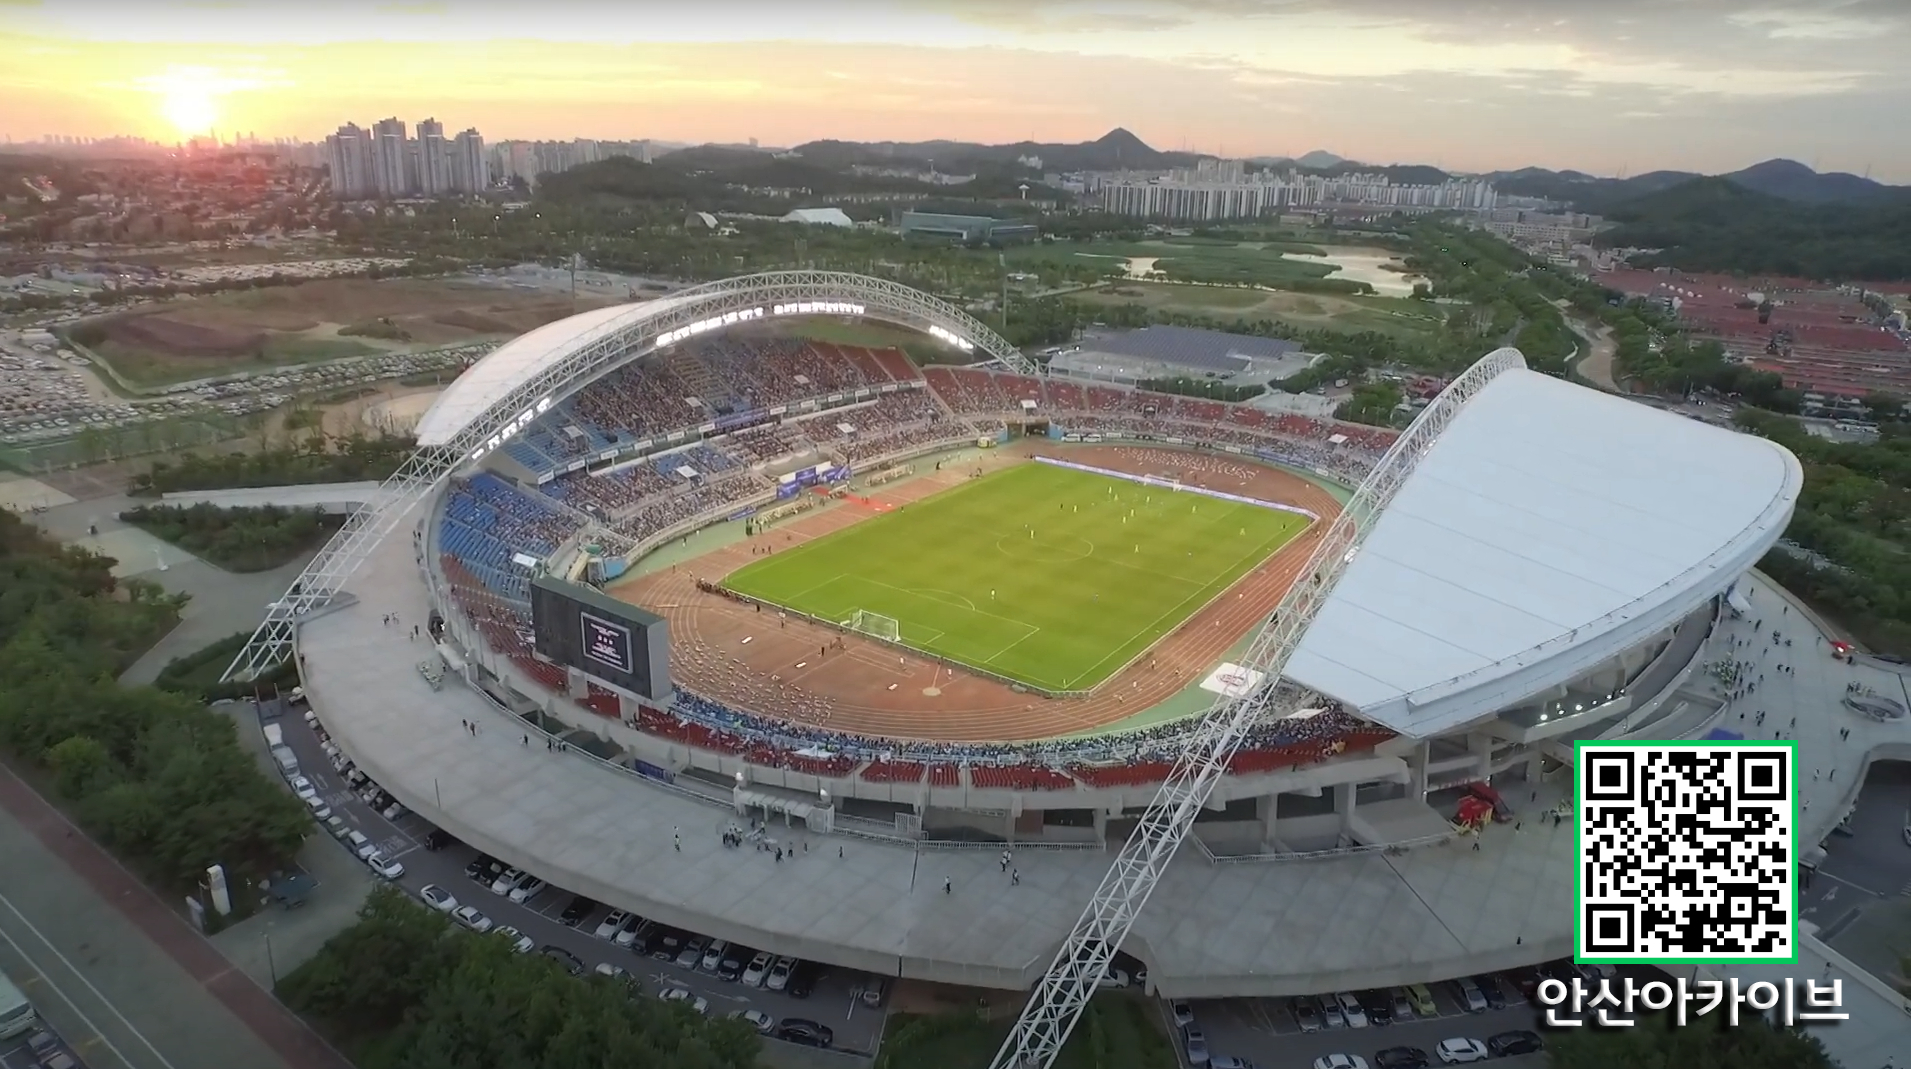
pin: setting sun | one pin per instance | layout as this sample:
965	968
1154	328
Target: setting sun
189	98
191	111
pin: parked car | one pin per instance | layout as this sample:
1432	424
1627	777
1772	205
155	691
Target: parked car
665	943
437	898
1183	1014
1350	1009
1401	1058
1195	1043
1340	1061
730	966
875	992
574	913
519	941
1507	1044
1306	1013
607	928
688	998
1471	997
571	962
384	866
320	811
436	840
1378	1006
612	972
627	934
529	889
692	952
779	977
805	1031
1229	1061
758	971
1461	1051
303	787
472	919
1495	994
757	1019
507	881
1402	1004
1422	1001
713	955
1330	1014
393	810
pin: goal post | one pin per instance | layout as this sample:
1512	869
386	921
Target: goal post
876	625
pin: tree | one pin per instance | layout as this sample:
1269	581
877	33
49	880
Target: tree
404	988
1704	1043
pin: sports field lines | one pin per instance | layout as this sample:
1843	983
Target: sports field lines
1041	574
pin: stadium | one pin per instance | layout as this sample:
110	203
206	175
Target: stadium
938	611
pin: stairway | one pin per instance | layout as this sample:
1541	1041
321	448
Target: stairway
695	374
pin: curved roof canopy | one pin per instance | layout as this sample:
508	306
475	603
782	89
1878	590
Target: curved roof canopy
1551	527
558	358
491	380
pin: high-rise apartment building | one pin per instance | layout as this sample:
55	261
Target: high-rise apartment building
470	172
1224	189
350	153
391	170
434	159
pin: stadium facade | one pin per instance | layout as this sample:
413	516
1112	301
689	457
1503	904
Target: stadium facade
1551	571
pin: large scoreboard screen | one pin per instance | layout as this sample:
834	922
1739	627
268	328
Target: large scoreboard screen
614	643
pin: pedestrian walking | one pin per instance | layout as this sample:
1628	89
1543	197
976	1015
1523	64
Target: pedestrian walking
1015	878
948	885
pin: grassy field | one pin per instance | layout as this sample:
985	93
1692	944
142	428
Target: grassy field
1398	316
1049	576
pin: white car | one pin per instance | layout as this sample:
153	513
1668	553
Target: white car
685	996
394	811
1461	1051
757	1019
779	977
615	972
627	935
757	971
303	787
472	919
385	866
607	928
1340	1061
320	811
507	881
529	889
1112	979
438	898
1350	1009
519	941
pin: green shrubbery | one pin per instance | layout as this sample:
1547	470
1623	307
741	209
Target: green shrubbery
321	461
157	777
237	539
403	988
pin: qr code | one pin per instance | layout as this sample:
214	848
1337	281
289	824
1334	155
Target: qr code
1685	852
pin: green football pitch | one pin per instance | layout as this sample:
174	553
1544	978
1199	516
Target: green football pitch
1045	575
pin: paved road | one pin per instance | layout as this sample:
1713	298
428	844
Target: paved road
1874	861
117	971
1265	1032
835	1001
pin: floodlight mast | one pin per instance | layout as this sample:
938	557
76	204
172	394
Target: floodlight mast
1057	1003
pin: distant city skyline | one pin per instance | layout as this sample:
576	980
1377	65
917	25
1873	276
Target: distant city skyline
1622	86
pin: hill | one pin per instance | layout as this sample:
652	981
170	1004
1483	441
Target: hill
1114	150
1716	224
1784	179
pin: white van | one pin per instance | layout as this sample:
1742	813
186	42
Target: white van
360	845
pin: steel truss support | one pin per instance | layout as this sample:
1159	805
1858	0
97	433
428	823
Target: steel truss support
565	373
1058	1000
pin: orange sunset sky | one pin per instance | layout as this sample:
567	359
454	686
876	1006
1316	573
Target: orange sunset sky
1605	86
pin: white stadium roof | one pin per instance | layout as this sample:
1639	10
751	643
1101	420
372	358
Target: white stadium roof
518	361
1550	528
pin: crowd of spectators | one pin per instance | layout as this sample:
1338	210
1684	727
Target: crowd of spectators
487	520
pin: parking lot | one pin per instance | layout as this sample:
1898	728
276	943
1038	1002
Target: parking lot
835	1002
1267	1033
